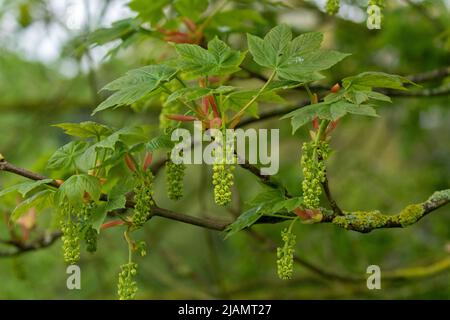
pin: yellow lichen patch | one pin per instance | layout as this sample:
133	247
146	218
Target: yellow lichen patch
362	221
410	215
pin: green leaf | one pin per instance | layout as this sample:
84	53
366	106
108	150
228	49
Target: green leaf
236	100
74	188
40	201
237	20
25	188
191	8
120	29
256	48
99	213
245	220
306	114
116	200
299	67
194	93
135	84
378	96
368	80
304	43
124	135
218	60
260	205
85	129
149	10
297	60
288	204
66	156
159	142
362	110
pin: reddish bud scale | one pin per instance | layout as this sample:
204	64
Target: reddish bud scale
315	123
335	88
205	105
213	104
111	224
215	123
130	163
147	160
181	117
190	24
331	126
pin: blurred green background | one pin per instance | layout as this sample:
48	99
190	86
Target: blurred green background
49	73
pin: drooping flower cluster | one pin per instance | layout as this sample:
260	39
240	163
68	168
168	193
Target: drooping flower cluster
90	238
71	241
332	6
126	286
313	159
285	255
143	196
74	227
223	177
174	176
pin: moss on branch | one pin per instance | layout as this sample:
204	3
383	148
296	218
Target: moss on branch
366	221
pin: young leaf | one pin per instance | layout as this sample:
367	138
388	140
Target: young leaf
25	188
66	156
119	30
40	201
135	84
150	11
297	60
245	220
236	100
159	142
299	66
371	80
194	93
218	60
85	129
306	114
74	189
260	205
191	8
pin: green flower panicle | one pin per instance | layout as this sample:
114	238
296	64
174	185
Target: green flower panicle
126	286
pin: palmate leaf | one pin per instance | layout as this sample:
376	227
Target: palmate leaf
327	111
191	8
299	59
109	145
194	93
135	84
369	80
40	201
236	100
116	200
219	59
259	205
160	142
25	188
151	11
75	188
120	29
85	129
66	156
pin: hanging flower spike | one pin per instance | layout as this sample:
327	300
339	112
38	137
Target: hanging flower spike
332	7
127	287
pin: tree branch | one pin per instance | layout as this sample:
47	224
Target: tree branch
42	242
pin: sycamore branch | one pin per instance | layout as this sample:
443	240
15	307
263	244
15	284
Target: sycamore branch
357	221
42	242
